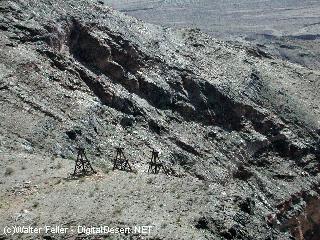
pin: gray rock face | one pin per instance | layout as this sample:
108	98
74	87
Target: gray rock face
232	119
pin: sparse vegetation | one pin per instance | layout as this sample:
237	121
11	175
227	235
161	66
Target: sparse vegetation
58	181
150	181
105	168
72	158
3	203
178	221
9	171
59	165
35	204
163	225
117	211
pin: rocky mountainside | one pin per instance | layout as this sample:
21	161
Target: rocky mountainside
237	127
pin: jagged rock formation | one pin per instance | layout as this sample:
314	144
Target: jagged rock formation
227	117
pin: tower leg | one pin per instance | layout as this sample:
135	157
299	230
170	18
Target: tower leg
84	171
76	164
115	160
89	164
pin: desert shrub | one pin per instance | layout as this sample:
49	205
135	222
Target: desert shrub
8	171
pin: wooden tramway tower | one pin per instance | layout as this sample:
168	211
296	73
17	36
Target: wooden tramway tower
155	165
120	162
83	165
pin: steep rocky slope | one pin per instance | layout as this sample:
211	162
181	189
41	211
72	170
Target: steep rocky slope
237	127
301	49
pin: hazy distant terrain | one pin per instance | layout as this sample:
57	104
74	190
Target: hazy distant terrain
221	17
289	29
